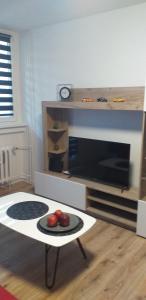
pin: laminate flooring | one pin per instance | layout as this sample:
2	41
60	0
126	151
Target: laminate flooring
116	267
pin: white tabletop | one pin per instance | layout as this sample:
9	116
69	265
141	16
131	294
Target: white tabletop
29	227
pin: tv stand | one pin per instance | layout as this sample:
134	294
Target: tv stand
100	200
107	202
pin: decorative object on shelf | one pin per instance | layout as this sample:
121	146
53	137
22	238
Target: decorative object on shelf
56	147
88	100
64	92
118	99
102	99
56	125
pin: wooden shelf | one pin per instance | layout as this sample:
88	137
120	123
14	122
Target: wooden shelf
60	151
133	105
112	204
59	130
112	217
131	193
134	99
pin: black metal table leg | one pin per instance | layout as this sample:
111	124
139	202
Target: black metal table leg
81	248
55	267
47	248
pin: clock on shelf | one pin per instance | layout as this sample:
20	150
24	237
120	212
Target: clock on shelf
64	92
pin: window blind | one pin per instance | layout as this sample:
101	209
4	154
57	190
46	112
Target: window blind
6	94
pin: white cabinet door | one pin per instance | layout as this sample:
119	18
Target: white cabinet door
141	218
61	190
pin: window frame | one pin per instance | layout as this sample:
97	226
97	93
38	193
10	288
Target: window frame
7	120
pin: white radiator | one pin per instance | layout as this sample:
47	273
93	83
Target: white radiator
5	165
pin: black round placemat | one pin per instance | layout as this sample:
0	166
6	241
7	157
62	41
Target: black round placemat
27	210
75	225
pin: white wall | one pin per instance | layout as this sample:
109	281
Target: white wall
103	50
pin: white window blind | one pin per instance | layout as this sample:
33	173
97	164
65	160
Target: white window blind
6	94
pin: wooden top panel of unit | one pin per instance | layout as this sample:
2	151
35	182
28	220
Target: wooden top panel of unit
133	99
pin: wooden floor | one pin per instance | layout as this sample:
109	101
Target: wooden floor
116	268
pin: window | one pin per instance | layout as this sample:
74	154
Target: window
6	92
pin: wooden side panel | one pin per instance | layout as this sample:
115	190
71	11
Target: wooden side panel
143	189
45	138
143	161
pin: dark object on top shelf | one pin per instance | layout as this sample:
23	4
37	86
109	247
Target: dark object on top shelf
102	99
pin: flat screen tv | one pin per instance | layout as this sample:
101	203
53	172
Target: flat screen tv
102	161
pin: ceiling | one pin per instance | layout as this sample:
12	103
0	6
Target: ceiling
28	14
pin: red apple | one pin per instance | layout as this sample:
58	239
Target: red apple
52	220
64	220
58	213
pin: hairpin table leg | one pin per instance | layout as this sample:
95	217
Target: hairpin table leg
81	248
50	285
47	248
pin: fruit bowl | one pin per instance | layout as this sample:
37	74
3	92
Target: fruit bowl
74	222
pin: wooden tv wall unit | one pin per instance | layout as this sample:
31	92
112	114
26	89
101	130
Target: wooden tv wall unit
101	200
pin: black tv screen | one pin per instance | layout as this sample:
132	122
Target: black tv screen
102	161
